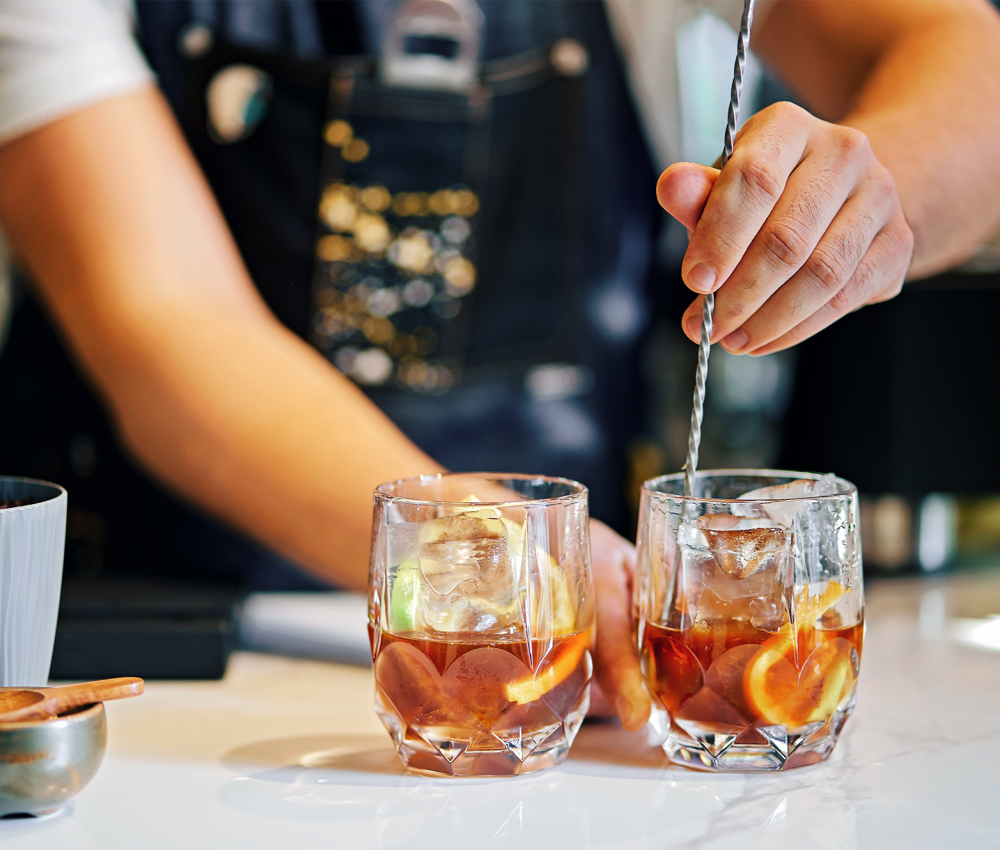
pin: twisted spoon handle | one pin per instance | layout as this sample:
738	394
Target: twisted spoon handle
705	346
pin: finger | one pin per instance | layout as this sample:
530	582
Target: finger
814	194
616	663
767	150
683	189
600	705
691	321
878	277
828	269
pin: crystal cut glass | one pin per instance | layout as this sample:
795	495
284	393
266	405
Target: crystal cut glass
481	620
749	616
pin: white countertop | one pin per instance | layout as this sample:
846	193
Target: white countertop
288	753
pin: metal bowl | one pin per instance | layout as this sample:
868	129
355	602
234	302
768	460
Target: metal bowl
45	763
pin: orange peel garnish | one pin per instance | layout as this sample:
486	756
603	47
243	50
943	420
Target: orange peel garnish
528	689
808	611
770	683
783	695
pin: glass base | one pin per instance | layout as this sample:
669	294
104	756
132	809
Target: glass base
755	749
447	751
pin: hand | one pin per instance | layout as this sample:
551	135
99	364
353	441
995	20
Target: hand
616	664
802	227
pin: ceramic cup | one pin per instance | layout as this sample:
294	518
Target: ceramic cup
32	541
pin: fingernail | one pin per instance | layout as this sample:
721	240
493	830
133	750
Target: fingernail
701	278
736	341
693	325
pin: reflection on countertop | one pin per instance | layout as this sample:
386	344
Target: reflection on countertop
287	750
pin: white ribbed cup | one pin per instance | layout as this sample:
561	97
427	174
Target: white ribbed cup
32	542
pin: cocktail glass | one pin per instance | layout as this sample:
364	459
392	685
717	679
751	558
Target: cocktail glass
749	613
481	620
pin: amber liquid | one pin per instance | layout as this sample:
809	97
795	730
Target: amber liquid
732	676
18	503
481	695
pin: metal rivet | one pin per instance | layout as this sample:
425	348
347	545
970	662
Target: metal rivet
195	40
569	57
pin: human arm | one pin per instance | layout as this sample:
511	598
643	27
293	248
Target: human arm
813	219
109	212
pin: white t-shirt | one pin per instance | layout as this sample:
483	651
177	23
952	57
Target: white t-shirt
57	56
680	56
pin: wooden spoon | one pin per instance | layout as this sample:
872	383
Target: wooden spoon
21	704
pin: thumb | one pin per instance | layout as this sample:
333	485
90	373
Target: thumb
683	190
616	662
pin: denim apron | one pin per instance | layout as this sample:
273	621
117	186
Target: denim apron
473	255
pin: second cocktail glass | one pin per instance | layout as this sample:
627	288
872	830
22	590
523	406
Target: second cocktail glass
481	619
749	616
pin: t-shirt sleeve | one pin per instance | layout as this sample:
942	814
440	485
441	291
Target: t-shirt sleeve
57	57
680	57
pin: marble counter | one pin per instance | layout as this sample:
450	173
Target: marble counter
288	753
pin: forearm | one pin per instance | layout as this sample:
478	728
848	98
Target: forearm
932	113
131	255
255	426
913	77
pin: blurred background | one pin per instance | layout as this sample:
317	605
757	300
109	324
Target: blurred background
895	397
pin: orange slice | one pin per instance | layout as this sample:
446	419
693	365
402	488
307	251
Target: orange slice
813	695
782	695
826	678
771	683
808	610
528	689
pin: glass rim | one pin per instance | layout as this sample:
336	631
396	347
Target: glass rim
650	483
579	490
19	479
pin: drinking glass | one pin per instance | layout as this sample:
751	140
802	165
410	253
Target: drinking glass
480	619
32	541
749	613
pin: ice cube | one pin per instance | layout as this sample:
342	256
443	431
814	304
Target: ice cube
804	488
465	565
821	536
742	546
735	568
461	548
